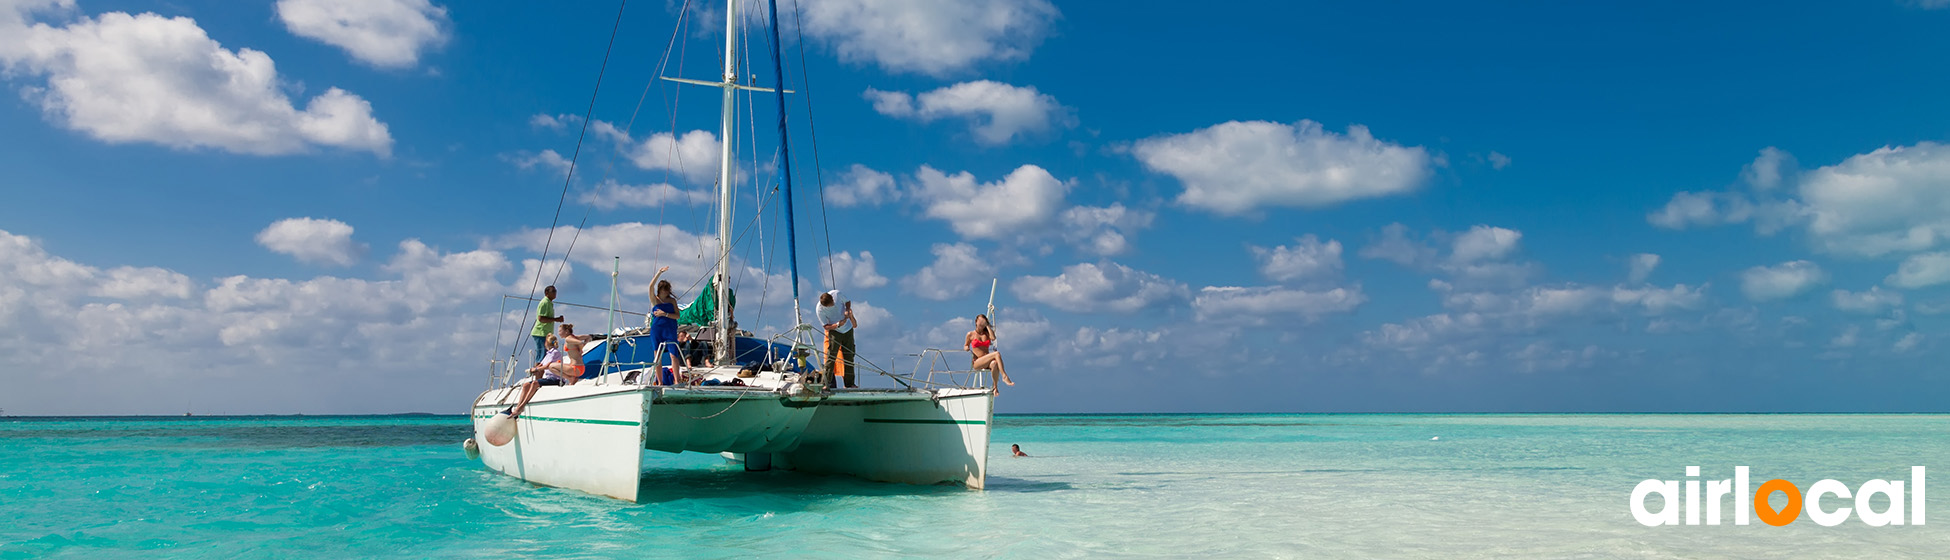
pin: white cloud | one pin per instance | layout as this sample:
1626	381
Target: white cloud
957	270
935	37
1237	167
1018	205
312	240
1700	209
1642	265
1104	230
1269	303
383	33
1768	171
1894	199
547	159
1539	305
1908	342
1396	246
246	344
1543	356
693	156
1307	258
1785	280
1484	243
1847	339
860	185
1482	256
1499	161
853	273
1917	271
996	112
611	195
553	122
1871	302
123	78
1758	202
1107	286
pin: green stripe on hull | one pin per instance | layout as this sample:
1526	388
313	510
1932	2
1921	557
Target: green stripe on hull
909	421
573	420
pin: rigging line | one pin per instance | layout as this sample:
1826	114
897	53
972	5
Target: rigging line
628	127
819	173
570	176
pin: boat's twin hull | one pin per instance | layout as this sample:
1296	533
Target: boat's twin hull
591	438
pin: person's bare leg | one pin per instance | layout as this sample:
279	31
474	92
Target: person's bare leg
999	370
527	392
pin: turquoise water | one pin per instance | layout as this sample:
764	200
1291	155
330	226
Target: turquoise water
1346	486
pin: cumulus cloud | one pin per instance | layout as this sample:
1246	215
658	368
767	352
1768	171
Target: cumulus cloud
248	344
312	240
934	37
612	194
1894	199
1024	201
123	78
1484	243
1264	304
1753	200
851	272
383	33
1642	265
956	271
545	159
1307	258
1104	230
1100	287
1871	302
1921	270
693	156
860	185
1782	281
997	113
1237	167
1498	161
1481	256
554	122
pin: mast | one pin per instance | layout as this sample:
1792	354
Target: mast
723	345
785	171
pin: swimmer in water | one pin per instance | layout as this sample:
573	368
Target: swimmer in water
1017	450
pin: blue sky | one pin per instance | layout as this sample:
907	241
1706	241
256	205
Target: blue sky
294	208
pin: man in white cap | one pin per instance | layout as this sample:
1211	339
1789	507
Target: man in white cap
836	315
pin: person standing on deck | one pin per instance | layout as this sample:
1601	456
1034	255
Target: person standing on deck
663	322
544	315
836	314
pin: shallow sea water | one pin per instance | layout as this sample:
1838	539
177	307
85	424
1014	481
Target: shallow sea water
1336	486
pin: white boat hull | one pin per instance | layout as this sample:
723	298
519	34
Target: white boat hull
591	438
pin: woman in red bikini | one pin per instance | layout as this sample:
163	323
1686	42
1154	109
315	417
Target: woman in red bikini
980	342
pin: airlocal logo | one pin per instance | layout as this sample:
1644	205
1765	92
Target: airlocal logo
1743	497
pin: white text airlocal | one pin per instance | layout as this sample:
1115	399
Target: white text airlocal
1744	497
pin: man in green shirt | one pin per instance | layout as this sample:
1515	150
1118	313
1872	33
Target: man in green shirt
544	315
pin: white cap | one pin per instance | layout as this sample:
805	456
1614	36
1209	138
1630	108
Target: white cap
837	298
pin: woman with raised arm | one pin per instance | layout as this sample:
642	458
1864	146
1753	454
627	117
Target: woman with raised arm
663	323
980	342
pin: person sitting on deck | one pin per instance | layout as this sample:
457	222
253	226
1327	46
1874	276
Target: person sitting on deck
980	342
570	367
543	373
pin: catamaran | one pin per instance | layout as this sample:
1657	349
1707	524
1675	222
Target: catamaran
763	403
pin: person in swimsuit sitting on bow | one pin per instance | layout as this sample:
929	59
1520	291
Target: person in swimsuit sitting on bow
571	367
980	342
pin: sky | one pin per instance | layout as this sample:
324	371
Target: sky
312	207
